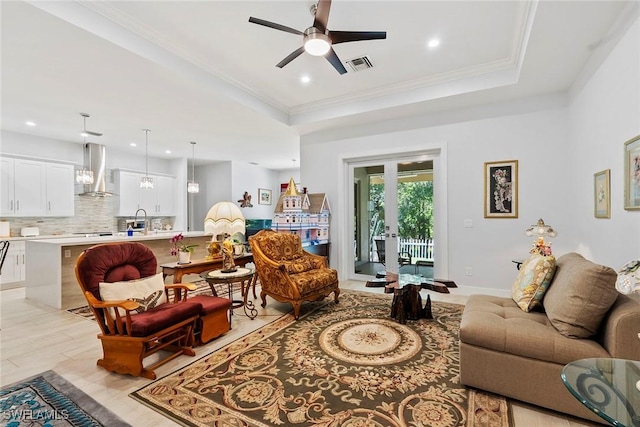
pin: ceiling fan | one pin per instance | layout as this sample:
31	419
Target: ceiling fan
86	132
318	39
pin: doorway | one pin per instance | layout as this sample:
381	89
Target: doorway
394	205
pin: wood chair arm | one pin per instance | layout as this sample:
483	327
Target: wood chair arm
117	326
180	290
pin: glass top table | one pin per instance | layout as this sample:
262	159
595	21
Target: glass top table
608	387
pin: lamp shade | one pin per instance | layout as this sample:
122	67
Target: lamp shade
629	278
224	217
540	229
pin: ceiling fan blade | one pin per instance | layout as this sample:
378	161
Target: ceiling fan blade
293	55
274	26
88	132
354	36
322	15
335	61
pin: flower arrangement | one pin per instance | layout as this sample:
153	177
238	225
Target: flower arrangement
180	247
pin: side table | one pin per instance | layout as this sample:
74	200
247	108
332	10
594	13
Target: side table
608	387
246	277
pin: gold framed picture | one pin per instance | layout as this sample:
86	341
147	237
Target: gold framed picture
632	174
501	189
602	194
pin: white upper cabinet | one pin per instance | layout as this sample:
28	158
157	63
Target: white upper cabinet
35	188
157	201
59	191
7	189
164	195
127	199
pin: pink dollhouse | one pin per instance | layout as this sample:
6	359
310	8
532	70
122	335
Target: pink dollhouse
304	214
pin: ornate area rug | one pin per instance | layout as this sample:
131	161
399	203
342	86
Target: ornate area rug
340	365
48	399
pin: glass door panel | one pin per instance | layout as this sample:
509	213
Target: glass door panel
393	224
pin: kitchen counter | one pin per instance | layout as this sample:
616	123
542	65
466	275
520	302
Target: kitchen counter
50	267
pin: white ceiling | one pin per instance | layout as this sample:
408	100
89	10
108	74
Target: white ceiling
199	71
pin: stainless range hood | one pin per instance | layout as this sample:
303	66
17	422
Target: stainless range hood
95	161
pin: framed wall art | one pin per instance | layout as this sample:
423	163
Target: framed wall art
264	196
602	194
632	173
501	189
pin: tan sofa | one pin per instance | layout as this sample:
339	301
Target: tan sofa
521	354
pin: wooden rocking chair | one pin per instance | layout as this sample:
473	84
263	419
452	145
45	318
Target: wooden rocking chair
127	335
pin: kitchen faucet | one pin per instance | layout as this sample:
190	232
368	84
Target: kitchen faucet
145	219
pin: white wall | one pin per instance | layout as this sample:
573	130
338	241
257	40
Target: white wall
249	178
559	147
602	116
491	244
227	181
55	149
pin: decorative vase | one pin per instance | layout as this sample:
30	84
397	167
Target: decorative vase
184	257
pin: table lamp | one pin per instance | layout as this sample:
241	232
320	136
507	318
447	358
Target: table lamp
628	281
540	229
223	220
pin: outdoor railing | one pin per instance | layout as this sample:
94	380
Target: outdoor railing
418	248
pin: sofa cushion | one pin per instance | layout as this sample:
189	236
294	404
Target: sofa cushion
533	281
580	295
498	324
148	292
315	281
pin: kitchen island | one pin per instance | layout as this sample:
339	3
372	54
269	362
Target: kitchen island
51	277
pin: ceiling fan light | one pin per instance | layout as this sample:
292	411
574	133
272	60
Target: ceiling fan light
316	44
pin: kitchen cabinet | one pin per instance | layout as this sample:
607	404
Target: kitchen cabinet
59	190
14	269
35	188
157	201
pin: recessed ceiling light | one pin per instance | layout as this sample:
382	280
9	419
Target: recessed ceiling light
30	123
167	151
433	43
305	79
133	144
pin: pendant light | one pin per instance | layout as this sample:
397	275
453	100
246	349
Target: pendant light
192	186
84	175
146	182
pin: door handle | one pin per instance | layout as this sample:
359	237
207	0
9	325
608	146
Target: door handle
394	235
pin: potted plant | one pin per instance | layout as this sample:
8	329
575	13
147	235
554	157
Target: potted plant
181	249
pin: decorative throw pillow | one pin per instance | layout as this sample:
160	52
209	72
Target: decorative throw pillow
580	295
148	292
533	280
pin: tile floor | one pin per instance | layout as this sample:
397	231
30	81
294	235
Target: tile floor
35	338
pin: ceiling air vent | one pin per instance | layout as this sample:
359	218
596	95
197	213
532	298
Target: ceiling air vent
359	64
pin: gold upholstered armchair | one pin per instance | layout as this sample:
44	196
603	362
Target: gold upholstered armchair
288	273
